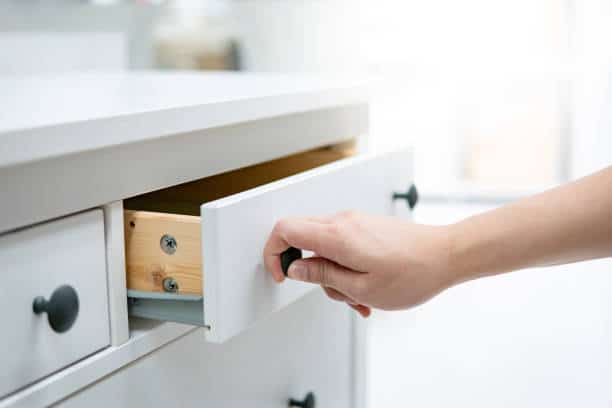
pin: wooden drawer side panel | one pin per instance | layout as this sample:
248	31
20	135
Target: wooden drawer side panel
148	264
175	212
187	198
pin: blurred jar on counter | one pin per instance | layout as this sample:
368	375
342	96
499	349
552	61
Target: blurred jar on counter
197	35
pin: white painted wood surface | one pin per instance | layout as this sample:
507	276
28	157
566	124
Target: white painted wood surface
46	116
305	347
359	362
110	155
35	262
115	273
113	173
145	337
237	290
44	52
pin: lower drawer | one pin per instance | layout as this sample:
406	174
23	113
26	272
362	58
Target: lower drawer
307	348
57	269
194	252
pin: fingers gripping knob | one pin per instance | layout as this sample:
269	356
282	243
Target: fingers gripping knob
288	256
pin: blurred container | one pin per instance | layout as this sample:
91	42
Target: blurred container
197	35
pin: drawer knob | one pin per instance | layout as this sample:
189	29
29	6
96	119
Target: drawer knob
307	402
288	256
411	196
62	308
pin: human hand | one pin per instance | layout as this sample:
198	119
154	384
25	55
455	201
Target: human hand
363	260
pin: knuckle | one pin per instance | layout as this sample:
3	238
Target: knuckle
348	215
312	274
339	238
335	228
281	225
324	270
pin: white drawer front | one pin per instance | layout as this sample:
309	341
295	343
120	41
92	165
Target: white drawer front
238	291
35	262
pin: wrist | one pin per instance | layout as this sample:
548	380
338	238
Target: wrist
457	269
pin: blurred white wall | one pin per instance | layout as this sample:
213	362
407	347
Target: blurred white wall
300	35
36	53
55	32
531	339
591	147
474	84
510	96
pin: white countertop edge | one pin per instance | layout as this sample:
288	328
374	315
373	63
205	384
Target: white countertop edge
45	137
34	144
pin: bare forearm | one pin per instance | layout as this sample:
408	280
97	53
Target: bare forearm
567	224
365	261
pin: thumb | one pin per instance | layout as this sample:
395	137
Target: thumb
323	272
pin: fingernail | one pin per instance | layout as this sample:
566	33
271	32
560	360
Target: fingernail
297	271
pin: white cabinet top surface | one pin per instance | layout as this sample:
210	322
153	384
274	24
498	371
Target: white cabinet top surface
47	116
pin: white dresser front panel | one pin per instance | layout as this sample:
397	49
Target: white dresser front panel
238	291
307	347
36	262
235	292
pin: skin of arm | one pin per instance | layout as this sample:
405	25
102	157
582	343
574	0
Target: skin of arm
383	262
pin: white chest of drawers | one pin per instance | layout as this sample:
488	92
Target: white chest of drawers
92	141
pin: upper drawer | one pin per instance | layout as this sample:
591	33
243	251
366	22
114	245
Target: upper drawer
168	274
67	253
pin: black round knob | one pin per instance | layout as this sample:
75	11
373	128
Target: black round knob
308	402
288	256
411	196
62	308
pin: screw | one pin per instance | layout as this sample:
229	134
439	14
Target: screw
170	285
168	244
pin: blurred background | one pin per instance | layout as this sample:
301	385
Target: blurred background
499	99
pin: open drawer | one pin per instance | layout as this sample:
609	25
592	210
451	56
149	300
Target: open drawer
194	252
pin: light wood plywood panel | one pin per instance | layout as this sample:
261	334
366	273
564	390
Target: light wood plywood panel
147	263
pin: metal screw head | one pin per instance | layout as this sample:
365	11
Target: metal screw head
170	285
168	244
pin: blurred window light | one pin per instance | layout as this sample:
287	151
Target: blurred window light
479	87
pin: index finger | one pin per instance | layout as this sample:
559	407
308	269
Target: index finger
312	234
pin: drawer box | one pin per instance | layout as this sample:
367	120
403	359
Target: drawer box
36	261
194	252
